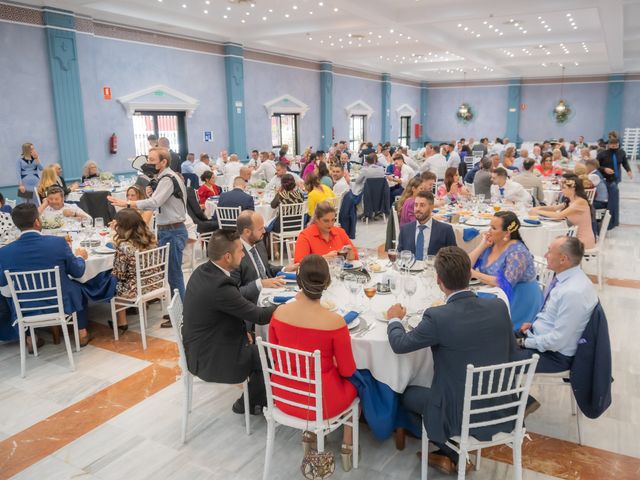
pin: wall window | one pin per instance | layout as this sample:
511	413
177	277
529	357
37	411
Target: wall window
405	131
162	124
356	132
284	131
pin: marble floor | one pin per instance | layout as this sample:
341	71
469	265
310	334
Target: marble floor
118	415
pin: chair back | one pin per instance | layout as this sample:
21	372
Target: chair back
175	315
291	248
36	295
191	180
543	274
396	224
604	227
292	217
375	196
591	194
97	205
152	271
227	217
279	363
506	383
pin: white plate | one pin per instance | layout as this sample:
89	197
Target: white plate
354	323
355	264
475	281
382	268
418	266
478	222
104	250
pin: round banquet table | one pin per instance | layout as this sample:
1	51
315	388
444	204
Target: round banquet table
371	348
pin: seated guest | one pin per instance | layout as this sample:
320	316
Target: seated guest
208	187
232	169
506	190
451	191
340	180
187	165
597	180
204	165
317	192
528	179
546	168
197	216
568	302
35	251
287	194
400	176
425	236
322	237
559	159
4	208
482	179
267	168
404	204
90	171
508	161
369	170
48	178
436	163
255	272
216	342
132	235
53	206
306	325
575	209
503	260
324	175
466	330
135	193
60	180
237	197
282	170
311	165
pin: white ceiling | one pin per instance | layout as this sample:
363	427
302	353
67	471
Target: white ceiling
435	40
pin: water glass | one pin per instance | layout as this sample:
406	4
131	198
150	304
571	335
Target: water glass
395	285
98	223
410	286
353	285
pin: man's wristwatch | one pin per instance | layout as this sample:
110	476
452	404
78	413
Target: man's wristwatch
520	342
128	204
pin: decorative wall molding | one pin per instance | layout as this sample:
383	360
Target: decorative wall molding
286	104
359	107
405	110
158	97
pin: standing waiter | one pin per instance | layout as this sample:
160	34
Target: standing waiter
611	162
168	197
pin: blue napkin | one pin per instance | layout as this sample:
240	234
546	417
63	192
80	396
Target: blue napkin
350	316
347	265
110	245
486	295
470	233
435	210
287	275
531	222
281	298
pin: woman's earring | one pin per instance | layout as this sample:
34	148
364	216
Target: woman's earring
506	239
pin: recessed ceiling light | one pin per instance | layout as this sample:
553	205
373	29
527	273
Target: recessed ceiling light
253	5
331	44
391	30
286	15
247	13
477	35
568	14
207	2
271	10
228	9
466	28
206	11
295	7
264	18
160	1
320	4
184	5
459	25
225	17
576	64
485	22
335	9
243	21
310	13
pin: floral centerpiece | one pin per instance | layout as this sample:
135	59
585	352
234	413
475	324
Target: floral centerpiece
258	185
52	223
106	176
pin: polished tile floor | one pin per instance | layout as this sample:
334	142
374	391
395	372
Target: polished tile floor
118	415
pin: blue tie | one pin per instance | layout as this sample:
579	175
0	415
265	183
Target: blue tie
420	243
501	191
616	167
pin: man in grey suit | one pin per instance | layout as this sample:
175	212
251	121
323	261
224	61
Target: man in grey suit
482	180
370	170
466	330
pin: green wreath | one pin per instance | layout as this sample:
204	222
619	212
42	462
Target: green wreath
465	113
561	112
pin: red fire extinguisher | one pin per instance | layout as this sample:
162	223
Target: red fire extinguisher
113	144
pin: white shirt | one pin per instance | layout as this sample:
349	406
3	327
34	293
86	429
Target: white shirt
595	179
231	171
220	163
435	163
454	160
228	274
411	162
406	174
200	167
340	187
50	214
513	192
382	160
276	181
427	235
266	170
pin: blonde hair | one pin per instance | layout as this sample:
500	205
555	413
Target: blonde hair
26	150
48	178
410	191
85	168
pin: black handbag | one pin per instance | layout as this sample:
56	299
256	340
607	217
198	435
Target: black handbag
26	194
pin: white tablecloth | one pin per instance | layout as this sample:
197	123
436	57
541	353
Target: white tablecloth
372	350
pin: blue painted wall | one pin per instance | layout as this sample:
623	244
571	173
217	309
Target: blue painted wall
27	104
265	82
631	105
587	100
347	90
127	67
489	105
401	94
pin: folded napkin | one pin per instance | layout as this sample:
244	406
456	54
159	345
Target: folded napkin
347	265
281	298
470	233
435	210
486	295
350	316
110	245
531	222
287	275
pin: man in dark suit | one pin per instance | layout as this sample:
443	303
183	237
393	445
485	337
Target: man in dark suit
176	161
612	161
35	251
237	197
255	272
216	342
425	236
203	224
466	330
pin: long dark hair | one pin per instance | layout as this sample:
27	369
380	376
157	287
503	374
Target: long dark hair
313	276
323	170
449	177
577	184
511	224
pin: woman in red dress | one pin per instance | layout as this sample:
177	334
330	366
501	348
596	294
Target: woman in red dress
208	188
306	325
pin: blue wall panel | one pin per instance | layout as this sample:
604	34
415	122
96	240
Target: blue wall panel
631	106
347	90
400	95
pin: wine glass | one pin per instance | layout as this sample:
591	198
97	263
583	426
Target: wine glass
407	259
395	285
353	285
393	255
98	223
370	292
480	197
410	286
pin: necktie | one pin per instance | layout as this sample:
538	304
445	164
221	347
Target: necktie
547	292
616	167
420	242
501	191
256	258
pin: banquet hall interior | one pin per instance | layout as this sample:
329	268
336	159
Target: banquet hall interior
505	132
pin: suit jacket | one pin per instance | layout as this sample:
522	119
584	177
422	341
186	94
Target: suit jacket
214	332
34	251
441	236
246	274
605	158
203	224
236	198
467	330
176	162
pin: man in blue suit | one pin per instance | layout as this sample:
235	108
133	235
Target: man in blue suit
425	236
35	251
237	197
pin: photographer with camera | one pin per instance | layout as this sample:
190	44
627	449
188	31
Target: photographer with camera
167	195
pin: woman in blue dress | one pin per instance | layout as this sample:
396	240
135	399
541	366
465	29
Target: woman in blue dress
29	168
503	260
